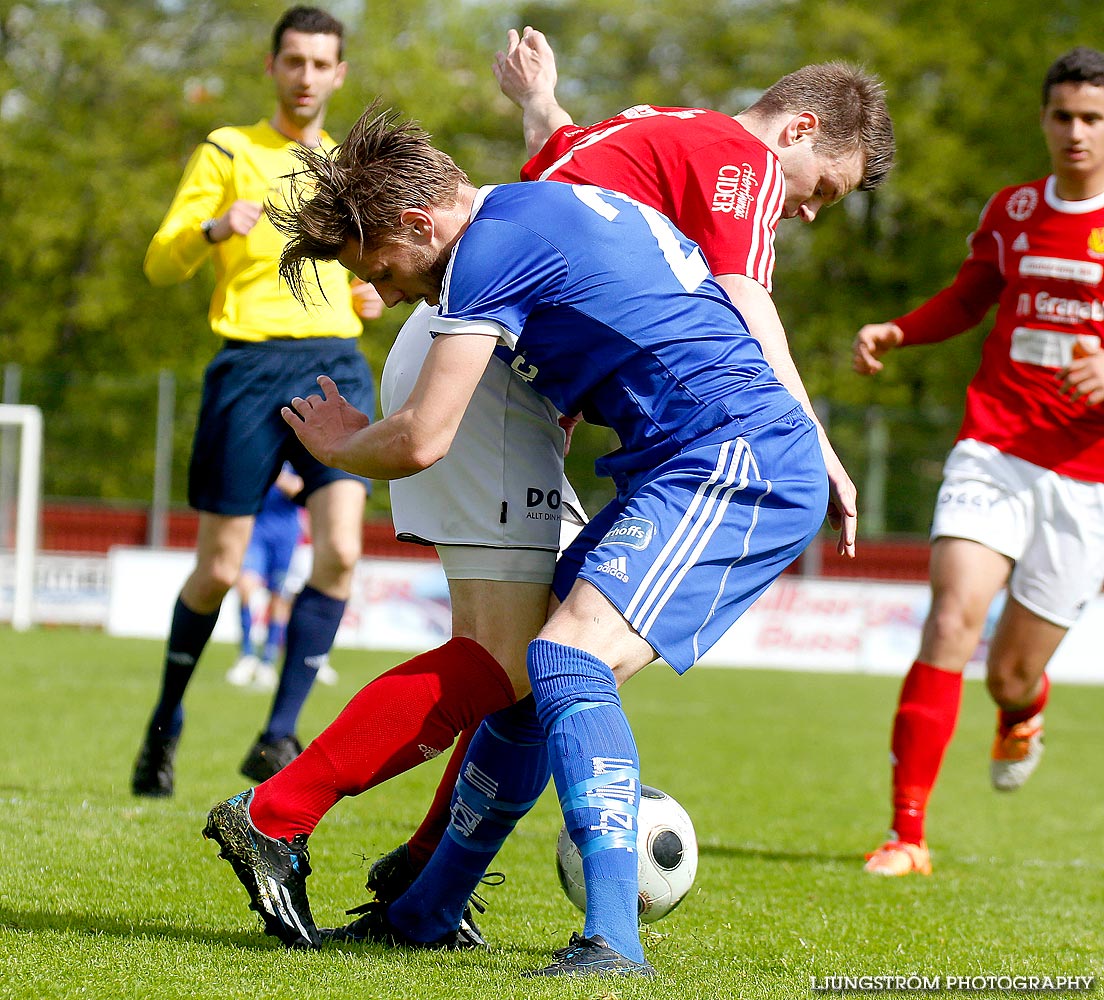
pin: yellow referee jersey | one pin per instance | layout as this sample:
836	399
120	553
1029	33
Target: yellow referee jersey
249	302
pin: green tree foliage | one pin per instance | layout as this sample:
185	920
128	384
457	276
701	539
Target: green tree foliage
101	102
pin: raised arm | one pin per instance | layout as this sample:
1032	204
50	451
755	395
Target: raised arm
526	73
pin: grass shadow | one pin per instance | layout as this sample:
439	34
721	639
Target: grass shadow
772	854
41	920
31	921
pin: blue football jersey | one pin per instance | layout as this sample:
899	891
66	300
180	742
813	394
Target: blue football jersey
608	310
278	509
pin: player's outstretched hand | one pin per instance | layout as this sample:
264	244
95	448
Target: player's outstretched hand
325	424
842	503
871	342
1083	378
527	69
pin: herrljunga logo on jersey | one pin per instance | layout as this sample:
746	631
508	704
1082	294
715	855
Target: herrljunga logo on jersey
735	191
635	532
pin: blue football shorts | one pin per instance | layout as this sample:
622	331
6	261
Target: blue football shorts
270	548
241	440
693	543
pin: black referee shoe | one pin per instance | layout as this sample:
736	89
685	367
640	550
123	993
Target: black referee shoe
153	770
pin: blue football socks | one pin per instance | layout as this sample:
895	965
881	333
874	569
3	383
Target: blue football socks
188	636
274	641
503	774
246	615
596	768
315	618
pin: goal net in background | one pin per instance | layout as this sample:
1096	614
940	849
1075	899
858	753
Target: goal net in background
20	488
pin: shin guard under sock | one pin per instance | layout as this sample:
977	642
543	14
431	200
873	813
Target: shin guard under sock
596	768
503	774
188	636
314	621
423	842
404	717
245	614
922	729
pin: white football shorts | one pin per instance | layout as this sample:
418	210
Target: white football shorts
1051	526
299	569
502	484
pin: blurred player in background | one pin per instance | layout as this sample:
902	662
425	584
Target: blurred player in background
1022	500
813	137
271	349
277	531
720	484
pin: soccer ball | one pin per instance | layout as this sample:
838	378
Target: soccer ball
668	857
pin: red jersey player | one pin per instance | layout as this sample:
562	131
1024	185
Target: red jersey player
704	168
725	181
1022	502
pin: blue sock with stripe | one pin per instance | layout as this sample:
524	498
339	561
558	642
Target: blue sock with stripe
596	768
315	618
187	638
503	774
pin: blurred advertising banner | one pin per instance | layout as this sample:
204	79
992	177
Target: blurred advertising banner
872	627
400	604
403	604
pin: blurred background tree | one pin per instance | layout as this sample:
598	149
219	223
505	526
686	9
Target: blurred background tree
101	101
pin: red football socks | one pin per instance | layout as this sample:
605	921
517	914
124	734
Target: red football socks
1013	716
425	839
926	715
406	716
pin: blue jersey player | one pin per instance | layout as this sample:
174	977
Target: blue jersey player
277	531
605	308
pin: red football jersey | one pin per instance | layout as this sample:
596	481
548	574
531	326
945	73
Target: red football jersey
1041	260
702	169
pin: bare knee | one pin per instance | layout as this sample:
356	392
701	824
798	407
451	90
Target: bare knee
950	635
208	584
1012	686
335	558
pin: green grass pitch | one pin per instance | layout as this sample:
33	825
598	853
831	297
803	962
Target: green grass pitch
784	774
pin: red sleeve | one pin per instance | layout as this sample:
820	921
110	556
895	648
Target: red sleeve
963	304
731	209
557	143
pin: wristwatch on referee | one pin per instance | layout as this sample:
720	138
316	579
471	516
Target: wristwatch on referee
205	227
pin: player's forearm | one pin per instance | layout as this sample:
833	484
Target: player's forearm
764	324
175	254
179	247
957	308
540	118
394	448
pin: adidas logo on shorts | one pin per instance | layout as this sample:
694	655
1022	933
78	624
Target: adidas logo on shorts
617	568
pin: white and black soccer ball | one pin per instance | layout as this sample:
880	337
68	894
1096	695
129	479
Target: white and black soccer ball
668	857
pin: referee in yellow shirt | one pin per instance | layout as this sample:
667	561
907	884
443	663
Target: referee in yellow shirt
272	350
